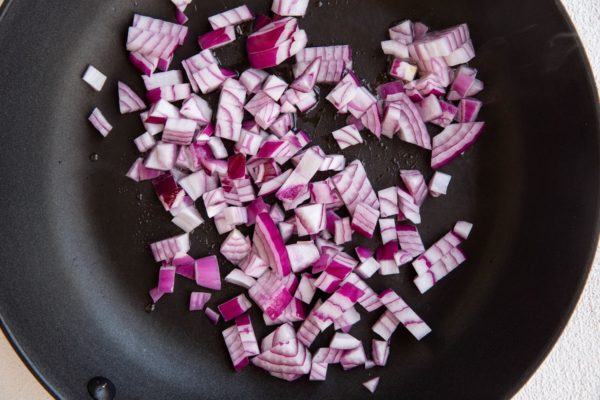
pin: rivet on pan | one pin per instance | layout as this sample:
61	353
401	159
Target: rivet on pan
101	388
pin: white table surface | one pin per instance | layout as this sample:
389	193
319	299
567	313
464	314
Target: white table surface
571	371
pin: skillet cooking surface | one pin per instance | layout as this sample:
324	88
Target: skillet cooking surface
76	266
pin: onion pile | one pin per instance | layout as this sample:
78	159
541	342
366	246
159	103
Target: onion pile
299	226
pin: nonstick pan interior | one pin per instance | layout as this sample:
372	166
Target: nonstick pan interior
75	263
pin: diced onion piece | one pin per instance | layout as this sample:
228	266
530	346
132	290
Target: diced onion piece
207	273
212	315
167	249
453	141
230	17
371	384
198	300
94	78
347	136
239	278
217	38
411	321
99	122
296	8
234	307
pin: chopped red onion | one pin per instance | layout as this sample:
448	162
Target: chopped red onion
274	56
179	131
403	116
363	253
144	142
306	289
402	32
267	115
344	341
161	111
441	43
434	253
403	70
270	294
295	8
302	255
289	357
340	301
235	247
364	220
430	108
157	25
99	122
252	79
415	183
198	300
386	325
282	334
138	172
214	202
184	266
294	312
368	268
353	358
369	300
166	279
395	48
209	78
162	157
440	269
217	38
310	219
348	318
408	208
207	272
163	79
272	35
371	120
145	64
241	341
354	187
230	17
318	371
347	136
239	278
388	202
188	219
167	249
381	352
468	110
212	315
453	141
129	101
274	87
305	82
449	112
308	331
301	176
410	240
234	307
94	78
387	229
151	43
343	231
253	265
372	384
463	229
438	185
411	321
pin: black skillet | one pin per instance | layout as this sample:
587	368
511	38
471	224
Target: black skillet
76	268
